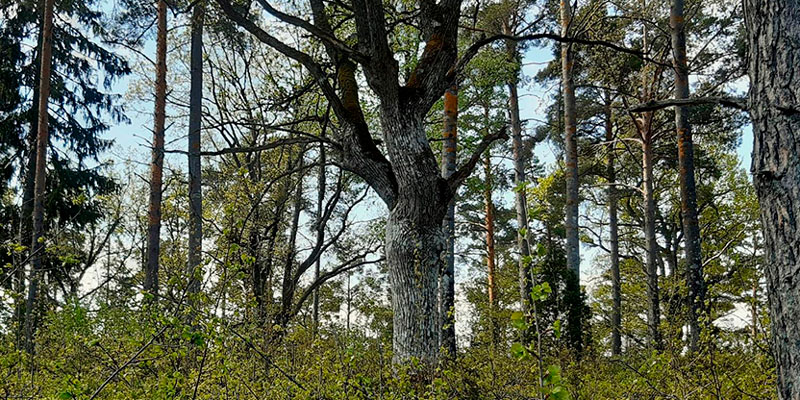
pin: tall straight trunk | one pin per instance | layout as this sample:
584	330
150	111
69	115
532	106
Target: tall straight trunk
691	229
651	266
26	208
157	165
774	37
520	206
195	118
489	226
651	245
447	334
42	144
321	184
571	144
575	313
613	233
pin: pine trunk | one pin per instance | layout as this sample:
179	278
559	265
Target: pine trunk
42	144
489	225
157	166
774	37
520	206
447	279
616	296
195	179
571	144
691	229
651	267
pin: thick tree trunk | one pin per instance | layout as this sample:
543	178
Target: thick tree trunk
774	37
571	144
414	239
157	165
611	174
691	228
447	279
651	266
42	144
195	120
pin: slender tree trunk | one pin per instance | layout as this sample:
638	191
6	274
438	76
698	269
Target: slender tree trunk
447	279
195	179
26	208
321	184
520	200
651	267
489	225
571	144
616	296
42	144
691	228
774	38
157	166
575	313
490	248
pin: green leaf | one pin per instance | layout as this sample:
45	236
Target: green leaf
518	351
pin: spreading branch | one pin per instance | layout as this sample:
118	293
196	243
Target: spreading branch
654	105
463	172
472	50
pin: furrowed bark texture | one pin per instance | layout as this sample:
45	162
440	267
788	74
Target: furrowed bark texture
774	36
613	233
691	228
447	279
157	164
414	241
571	144
195	120
42	144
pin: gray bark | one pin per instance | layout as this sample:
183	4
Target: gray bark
571	144
414	241
42	145
520	206
447	279
651	265
195	120
321	184
691	228
774	38
157	165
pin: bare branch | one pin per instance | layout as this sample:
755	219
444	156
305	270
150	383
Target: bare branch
463	172
653	105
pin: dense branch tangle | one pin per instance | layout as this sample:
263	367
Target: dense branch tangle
407	177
